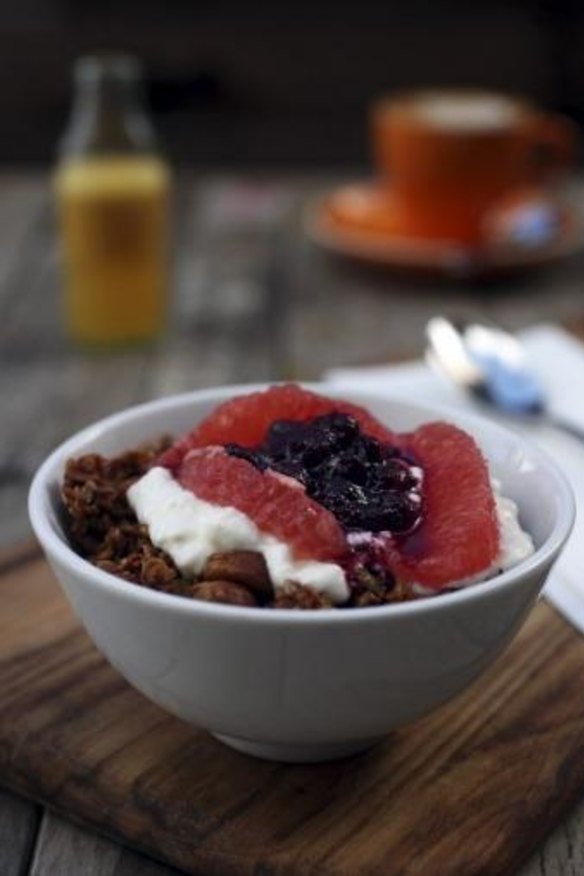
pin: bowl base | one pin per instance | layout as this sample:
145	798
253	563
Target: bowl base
293	752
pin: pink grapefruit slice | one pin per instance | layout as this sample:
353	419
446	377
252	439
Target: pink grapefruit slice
458	537
278	505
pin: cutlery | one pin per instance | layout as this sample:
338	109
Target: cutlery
491	365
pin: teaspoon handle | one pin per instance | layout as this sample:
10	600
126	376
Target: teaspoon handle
566	426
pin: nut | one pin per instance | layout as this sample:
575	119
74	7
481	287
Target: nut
243	567
156	572
228	592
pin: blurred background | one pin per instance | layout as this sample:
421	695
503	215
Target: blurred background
256	84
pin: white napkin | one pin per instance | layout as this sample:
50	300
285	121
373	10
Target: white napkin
558	360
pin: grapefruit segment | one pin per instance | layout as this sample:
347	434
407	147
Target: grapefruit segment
245	419
458	537
278	505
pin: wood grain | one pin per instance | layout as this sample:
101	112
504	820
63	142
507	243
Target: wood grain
469	790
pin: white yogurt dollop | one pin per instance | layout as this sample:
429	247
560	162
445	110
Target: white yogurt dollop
190	530
516	543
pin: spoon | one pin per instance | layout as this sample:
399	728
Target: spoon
491	365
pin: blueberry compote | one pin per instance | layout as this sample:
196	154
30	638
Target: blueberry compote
372	488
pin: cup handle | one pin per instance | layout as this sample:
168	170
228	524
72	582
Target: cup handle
555	145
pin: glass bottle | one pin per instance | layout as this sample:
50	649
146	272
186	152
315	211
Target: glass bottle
112	192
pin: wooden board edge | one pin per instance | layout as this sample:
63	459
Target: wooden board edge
195	866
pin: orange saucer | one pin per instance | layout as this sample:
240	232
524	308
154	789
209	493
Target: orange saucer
529	228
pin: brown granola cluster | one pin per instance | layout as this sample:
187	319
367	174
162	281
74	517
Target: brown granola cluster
371	589
103	528
294	595
101	524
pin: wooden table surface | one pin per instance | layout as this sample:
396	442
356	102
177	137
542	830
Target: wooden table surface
253	300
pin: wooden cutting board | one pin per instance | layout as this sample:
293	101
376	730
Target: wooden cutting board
470	790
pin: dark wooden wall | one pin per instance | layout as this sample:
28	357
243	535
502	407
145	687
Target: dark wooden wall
258	81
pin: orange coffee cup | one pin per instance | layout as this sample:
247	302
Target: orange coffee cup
447	156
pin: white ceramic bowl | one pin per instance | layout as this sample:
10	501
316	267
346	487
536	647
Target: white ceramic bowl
293	685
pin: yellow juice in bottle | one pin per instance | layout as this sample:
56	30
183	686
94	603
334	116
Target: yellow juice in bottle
113	214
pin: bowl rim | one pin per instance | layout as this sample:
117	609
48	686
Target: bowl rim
55	546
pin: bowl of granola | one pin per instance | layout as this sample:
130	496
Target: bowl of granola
294	570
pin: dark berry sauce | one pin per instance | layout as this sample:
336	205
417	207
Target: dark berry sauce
369	486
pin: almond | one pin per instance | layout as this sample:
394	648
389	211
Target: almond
243	567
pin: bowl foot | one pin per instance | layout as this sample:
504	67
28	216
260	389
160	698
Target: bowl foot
292	752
